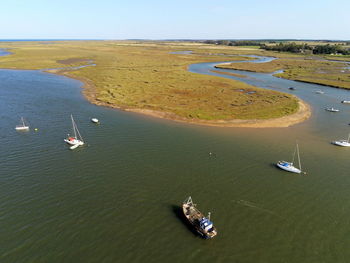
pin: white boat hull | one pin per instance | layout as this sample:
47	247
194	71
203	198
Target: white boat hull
94	120
22	128
342	143
74	142
332	110
74	146
289	167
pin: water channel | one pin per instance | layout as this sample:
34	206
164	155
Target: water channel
118	198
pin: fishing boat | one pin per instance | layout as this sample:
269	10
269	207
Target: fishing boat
331	109
94	120
289	166
75	140
343	143
22	126
202	224
345	101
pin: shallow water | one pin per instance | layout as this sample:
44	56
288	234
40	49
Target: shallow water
117	199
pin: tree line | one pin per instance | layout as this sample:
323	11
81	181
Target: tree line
292	47
233	42
305	48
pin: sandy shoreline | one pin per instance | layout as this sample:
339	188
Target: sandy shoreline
303	113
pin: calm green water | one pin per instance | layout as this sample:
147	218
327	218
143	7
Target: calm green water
118	198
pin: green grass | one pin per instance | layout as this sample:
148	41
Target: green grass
302	69
144	75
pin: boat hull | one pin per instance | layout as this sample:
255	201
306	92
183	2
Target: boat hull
341	143
288	168
332	110
94	120
22	128
74	142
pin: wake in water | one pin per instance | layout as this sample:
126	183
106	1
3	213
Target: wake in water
256	207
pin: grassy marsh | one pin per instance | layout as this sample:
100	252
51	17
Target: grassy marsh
145	75
313	70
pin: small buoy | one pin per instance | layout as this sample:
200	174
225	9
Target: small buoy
36	129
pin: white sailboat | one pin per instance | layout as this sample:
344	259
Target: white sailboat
22	126
343	143
319	91
288	166
331	109
75	140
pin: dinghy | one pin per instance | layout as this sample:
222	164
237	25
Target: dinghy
94	120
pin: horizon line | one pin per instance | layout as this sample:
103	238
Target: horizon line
172	39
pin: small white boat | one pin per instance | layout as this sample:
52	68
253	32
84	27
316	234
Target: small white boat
331	109
75	140
345	101
289	166
319	92
94	120
22	126
343	143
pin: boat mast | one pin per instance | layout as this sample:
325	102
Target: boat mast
298	157
295	149
209	215
73	124
22	121
80	138
348	137
188	200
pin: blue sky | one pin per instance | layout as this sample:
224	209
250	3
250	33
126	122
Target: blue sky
180	19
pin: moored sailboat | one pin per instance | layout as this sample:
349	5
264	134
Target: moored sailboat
202	224
331	109
289	166
343	143
22	126
77	139
319	91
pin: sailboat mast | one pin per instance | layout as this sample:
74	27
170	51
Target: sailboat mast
295	149
348	137
73	124
298	157
22	121
77	130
